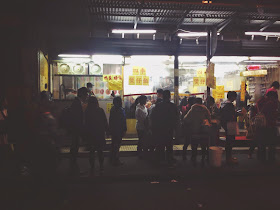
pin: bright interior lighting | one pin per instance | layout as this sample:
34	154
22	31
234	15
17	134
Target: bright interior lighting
73	56
265	58
192	59
121	31
256	61
276	34
228	59
107	59
194	34
76	60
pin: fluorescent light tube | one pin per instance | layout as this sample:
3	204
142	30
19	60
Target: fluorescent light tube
249	33
73	56
265	58
255	61
193	34
121	31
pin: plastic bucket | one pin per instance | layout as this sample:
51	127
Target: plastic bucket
215	156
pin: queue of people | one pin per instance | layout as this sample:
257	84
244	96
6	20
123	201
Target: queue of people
156	124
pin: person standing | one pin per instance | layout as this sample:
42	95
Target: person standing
90	89
96	126
229	118
78	108
267	136
159	96
141	114
274	87
118	128
44	159
185	110
164	119
197	122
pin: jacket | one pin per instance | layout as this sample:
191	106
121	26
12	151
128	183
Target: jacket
228	113
141	114
193	120
117	121
164	117
77	116
96	122
269	108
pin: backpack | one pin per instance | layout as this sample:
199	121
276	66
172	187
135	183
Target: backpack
258	122
65	120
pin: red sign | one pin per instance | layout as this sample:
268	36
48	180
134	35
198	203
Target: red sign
254	67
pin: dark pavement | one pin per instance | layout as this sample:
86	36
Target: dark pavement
139	184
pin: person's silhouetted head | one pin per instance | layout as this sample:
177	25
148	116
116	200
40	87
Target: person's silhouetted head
93	102
231	96
117	101
89	85
276	85
142	100
272	95
166	95
191	101
83	93
210	101
198	101
160	93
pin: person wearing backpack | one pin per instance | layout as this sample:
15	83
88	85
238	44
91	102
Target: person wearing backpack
266	131
229	123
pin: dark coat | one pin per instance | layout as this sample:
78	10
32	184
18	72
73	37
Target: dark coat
77	117
228	114
165	117
96	125
117	121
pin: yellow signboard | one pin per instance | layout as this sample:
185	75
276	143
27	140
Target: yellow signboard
201	72
199	81
131	80
202	81
135	70
257	73
143	71
139	80
115	85
196	81
109	107
219	92
146	80
105	78
243	91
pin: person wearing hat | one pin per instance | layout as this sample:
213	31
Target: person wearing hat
90	90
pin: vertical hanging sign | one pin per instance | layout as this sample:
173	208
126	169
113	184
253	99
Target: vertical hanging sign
210	79
243	91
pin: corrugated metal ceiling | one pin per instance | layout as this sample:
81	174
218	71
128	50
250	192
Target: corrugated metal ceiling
172	12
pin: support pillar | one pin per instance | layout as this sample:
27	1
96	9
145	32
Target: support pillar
176	80
208	55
